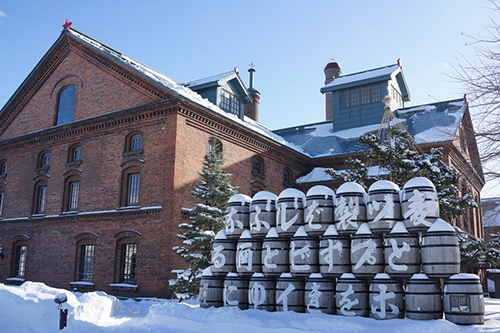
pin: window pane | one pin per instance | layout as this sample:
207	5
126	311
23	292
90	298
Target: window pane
136	142
256	165
354	97
20	261
344	99
225	101
66	105
77	153
4	168
133	189
376	93
235	105
129	252
87	262
73	195
42	199
45	159
1	203
365	95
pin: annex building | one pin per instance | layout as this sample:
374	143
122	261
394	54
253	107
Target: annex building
99	154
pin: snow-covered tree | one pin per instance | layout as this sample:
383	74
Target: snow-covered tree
475	250
399	161
206	219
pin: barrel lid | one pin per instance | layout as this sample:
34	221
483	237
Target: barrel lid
320	190
399	228
467	276
272	233
221	234
383	185
440	225
241	198
258	275
246	234
419	276
301	232
264	195
315	276
331	231
347	276
364	229
292	193
384	276
207	271
418	182
350	187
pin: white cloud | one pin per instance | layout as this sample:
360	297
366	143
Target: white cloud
2	14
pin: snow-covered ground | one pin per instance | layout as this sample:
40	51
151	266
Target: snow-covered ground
31	308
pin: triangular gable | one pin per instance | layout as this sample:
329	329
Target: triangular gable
220	80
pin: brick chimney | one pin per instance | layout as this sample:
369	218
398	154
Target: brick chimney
252	109
332	70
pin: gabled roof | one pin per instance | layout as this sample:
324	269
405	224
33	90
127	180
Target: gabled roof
218	81
431	123
368	77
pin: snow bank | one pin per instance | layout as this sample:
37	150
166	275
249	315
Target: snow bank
31	308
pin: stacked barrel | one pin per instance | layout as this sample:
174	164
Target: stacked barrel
382	254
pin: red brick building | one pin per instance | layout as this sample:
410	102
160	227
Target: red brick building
99	154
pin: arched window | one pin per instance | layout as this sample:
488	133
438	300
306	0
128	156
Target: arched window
133	142
214	143
131	179
19	252
40	197
3	167
257	166
287	177
71	192
75	153
66	105
43	160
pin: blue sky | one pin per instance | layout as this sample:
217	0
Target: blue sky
290	42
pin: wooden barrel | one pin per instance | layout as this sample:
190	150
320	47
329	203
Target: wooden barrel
351	298
223	254
235	291
211	289
383	207
262	214
275	254
463	300
318	214
262	292
420	205
350	209
290	212
440	252
402	252
290	293
248	255
334	253
303	255
386	297
367	253
237	215
319	294
423	298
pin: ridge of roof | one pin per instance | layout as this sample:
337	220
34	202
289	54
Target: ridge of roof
344	79
208	79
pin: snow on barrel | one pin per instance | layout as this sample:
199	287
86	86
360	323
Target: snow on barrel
211	289
351	298
290	293
463	300
237	215
275	254
423	298
334	253
262	213
248	255
223	254
318	214
235	291
262	292
386	297
440	253
303	255
290	212
402	252
319	294
350	210
383	207
367	253
420	205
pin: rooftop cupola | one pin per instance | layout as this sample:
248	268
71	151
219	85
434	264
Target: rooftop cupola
332	70
252	109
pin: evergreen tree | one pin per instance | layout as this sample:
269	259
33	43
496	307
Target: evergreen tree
399	161
207	218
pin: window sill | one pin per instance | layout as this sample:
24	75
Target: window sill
38	215
255	173
77	163
70	212
124	286
82	286
129	207
133	152
44	168
15	281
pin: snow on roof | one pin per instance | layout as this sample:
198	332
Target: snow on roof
320	190
318	175
264	195
180	90
431	123
213	78
383	185
418	182
350	187
241	198
491	212
440	225
360	76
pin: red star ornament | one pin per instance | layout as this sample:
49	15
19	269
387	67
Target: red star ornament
67	25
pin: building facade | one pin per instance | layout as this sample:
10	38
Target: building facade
99	154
